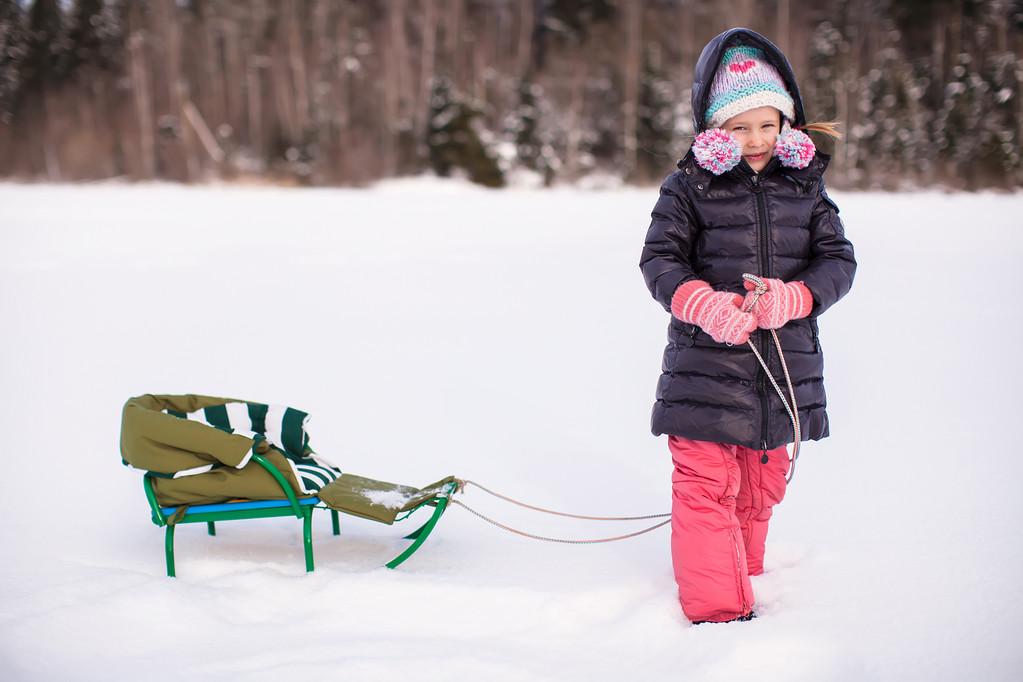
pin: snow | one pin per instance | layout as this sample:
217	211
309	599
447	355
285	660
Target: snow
434	328
392	499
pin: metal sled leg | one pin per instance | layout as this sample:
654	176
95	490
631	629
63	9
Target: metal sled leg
421	533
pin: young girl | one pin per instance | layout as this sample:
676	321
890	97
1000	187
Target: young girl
748	198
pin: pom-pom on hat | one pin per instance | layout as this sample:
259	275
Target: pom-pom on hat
794	148
717	151
746	80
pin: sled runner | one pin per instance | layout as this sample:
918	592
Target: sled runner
216	459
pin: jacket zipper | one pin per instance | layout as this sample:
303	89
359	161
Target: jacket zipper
765	271
690	331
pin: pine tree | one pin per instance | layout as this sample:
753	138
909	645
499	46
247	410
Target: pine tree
976	126
888	99
821	85
45	49
568	21
656	117
95	36
456	139
526	126
12	50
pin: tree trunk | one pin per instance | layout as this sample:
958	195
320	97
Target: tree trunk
183	163
524	46
427	71
630	91
781	33
51	153
234	80
143	105
299	79
575	109
342	101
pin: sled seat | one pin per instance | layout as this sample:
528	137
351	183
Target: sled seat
355	495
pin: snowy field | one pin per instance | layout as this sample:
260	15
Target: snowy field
432	328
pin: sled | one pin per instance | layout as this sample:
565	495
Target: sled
206	459
355	495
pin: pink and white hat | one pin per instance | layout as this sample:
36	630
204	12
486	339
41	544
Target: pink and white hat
746	80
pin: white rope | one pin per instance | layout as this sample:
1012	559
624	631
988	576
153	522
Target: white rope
464	482
791	407
559	540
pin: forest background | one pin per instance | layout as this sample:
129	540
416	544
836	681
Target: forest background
322	92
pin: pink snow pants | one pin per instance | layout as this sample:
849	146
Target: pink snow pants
722	499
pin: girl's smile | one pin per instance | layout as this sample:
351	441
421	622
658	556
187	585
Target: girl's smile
756	129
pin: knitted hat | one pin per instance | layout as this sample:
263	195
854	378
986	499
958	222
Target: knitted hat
746	80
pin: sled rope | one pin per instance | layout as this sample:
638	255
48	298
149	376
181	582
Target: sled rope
462	483
790	407
566	541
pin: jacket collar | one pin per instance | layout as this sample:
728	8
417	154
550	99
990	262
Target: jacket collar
813	172
696	176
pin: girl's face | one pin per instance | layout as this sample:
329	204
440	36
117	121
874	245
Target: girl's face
756	130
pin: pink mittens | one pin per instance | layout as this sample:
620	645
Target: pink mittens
715	312
780	303
720	314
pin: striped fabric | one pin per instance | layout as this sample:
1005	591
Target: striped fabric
282	427
782	302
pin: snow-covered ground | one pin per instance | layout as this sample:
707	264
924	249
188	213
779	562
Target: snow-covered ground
433	328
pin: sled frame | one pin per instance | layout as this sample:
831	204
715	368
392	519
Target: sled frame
301	508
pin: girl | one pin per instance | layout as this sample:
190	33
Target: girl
748	198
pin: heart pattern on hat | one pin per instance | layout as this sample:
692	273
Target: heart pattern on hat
742	67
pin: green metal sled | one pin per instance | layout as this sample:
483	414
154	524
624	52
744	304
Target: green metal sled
363	497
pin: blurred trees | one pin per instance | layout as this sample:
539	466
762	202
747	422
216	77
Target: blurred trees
12	55
327	92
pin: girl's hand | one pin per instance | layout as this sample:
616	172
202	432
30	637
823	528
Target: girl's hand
781	303
715	312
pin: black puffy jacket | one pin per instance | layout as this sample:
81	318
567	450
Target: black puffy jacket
779	223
